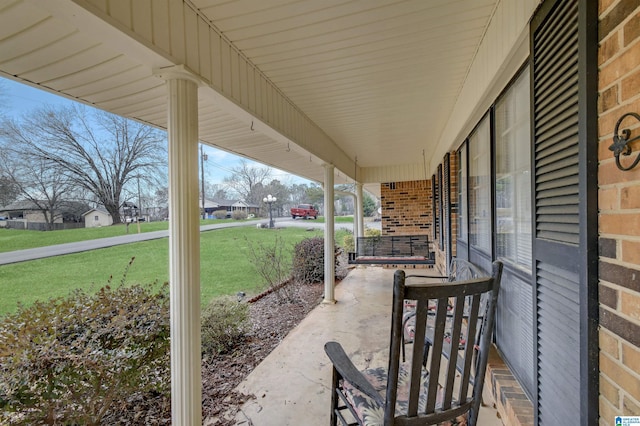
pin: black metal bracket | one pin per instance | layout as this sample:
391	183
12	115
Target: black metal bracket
621	142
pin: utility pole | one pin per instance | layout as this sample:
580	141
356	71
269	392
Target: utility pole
139	204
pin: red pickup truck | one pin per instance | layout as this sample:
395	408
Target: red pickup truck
304	210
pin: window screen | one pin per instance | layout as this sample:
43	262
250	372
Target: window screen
513	174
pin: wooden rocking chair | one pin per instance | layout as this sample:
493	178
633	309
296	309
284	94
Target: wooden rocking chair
449	391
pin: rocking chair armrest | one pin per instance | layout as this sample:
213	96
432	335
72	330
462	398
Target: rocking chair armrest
350	373
440	277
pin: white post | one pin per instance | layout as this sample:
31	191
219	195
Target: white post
360	210
329	237
184	247
356	232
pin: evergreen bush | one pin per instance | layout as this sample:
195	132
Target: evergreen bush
308	260
220	214
72	360
239	215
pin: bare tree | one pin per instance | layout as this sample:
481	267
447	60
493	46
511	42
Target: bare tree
39	182
245	177
98	152
216	191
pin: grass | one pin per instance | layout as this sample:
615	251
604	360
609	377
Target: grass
225	267
337	219
11	239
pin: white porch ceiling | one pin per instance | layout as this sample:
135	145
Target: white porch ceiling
378	78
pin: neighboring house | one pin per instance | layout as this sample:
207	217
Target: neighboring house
229	206
27	214
27	211
210	206
245	206
97	217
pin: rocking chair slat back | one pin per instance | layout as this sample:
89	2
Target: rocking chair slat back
457	322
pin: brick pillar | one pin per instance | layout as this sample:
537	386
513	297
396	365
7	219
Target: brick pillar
619	212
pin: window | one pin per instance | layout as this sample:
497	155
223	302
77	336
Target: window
96	218
462	194
513	174
480	187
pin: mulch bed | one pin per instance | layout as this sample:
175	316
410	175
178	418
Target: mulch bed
272	315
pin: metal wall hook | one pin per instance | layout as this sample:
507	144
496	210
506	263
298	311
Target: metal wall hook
621	142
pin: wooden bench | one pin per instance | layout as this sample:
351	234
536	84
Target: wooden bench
392	249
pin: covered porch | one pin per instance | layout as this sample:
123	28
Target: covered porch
293	384
485	124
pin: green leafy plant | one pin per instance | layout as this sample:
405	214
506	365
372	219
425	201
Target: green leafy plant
347	239
71	360
224	325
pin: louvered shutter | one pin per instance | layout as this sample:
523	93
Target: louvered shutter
560	202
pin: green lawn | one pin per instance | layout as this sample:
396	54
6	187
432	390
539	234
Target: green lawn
11	239
225	266
337	219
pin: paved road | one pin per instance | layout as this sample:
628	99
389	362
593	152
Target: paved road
80	246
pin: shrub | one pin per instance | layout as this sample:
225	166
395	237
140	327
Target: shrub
348	241
224	325
220	214
308	260
372	232
72	360
239	215
272	262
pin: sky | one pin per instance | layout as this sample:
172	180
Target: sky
18	99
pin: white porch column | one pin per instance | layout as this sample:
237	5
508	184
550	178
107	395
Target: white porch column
184	247
356	232
329	236
359	210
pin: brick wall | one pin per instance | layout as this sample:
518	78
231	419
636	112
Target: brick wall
619	212
406	208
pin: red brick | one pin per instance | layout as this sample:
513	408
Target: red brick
608	173
629	407
609	391
620	224
630	306
631	357
608	199
630	197
608	49
621	376
630	86
609	343
608	99
622	65
631	252
631	30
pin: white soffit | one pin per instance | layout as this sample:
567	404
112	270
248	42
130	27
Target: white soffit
380	78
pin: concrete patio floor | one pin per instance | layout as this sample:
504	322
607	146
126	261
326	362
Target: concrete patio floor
292	385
